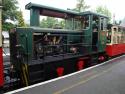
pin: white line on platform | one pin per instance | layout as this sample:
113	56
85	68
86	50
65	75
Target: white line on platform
42	83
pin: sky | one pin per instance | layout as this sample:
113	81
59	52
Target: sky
115	6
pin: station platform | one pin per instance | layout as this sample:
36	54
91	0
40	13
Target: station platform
105	78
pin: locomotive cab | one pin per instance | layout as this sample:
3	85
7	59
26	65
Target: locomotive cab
97	31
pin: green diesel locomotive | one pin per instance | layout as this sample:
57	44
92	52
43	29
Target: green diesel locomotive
39	54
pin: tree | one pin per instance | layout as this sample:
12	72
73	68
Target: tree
43	23
20	19
49	22
81	6
9	12
7	26
104	11
62	23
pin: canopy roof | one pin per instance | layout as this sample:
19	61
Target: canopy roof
50	11
92	13
56	12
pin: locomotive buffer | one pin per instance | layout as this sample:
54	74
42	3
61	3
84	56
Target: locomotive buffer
106	78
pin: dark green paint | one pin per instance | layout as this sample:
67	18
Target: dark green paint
34	17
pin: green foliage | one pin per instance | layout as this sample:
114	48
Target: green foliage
104	11
20	19
44	23
9	10
81	6
7	26
49	22
27	25
62	23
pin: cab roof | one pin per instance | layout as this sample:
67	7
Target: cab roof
51	11
93	13
56	12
